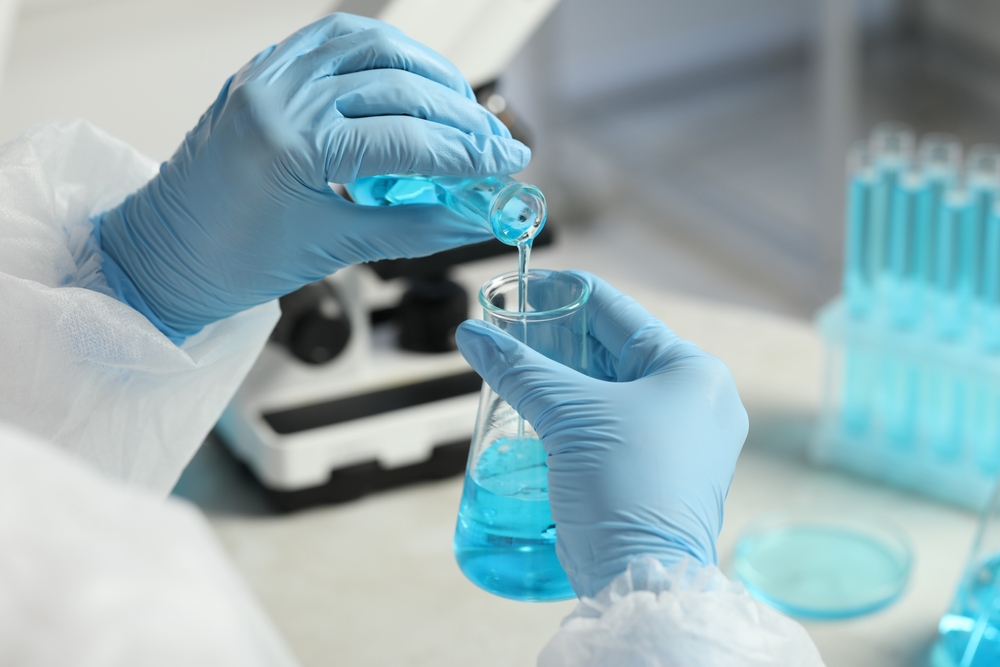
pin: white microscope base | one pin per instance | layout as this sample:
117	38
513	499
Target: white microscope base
376	416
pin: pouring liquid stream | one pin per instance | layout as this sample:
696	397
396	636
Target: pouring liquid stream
523	253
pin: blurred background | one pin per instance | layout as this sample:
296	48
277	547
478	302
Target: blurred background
698	144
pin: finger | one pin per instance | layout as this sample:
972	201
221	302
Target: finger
401	144
317	33
613	317
534	385
402	93
382	47
638	342
551	290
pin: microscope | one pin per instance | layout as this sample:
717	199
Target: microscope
361	387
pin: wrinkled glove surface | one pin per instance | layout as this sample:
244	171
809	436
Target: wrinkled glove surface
641	451
243	213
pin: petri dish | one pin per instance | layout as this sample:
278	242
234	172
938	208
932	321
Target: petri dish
823	565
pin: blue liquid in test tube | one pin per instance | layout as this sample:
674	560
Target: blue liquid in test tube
874	170
904	292
904	285
990	283
982	183
953	292
891	151
954	265
986	395
940	162
858	277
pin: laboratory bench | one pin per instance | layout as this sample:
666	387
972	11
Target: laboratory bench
374	582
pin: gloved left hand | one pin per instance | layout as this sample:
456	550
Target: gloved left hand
242	213
640	453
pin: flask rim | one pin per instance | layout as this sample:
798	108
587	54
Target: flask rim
538	206
493	285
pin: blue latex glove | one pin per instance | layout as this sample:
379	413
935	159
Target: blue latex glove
640	457
242	213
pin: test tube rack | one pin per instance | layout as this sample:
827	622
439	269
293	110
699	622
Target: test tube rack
912	368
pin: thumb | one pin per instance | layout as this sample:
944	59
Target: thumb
534	385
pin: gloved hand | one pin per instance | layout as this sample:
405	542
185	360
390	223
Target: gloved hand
641	456
242	213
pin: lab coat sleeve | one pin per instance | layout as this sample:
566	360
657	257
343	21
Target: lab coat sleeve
78	367
682	616
95	573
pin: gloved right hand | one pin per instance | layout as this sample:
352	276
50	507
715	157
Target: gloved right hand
640	457
242	213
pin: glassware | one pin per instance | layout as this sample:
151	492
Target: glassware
823	564
970	631
983	185
890	147
505	537
859	276
913	365
515	212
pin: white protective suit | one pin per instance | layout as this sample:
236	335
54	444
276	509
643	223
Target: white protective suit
102	413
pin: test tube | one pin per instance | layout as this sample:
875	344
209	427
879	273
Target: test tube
858	278
904	289
899	380
940	163
891	149
954	263
990	281
983	182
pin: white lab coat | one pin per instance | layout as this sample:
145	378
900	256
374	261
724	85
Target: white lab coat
101	415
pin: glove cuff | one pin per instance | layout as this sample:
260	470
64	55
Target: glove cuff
684	614
125	290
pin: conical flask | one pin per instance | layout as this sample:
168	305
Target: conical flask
970	631
505	539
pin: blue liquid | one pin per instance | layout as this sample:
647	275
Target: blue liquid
505	540
858	391
858	279
514	212
970	634
904	252
955	277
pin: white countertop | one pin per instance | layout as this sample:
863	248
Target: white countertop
374	582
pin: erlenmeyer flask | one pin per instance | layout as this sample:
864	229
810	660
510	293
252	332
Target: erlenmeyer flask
970	631
505	538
